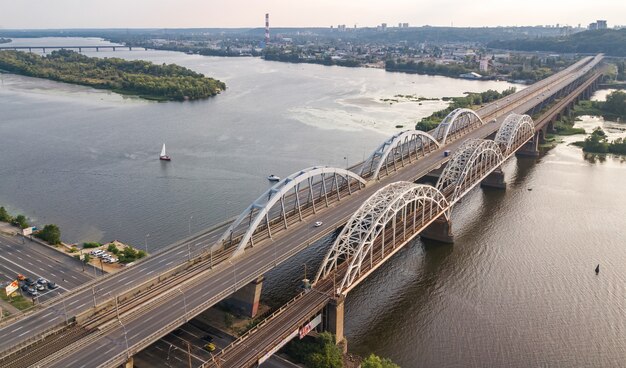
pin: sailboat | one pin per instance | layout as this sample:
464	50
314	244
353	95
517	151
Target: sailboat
163	156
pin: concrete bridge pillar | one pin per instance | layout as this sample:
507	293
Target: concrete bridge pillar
335	313
129	363
246	299
531	148
440	230
494	180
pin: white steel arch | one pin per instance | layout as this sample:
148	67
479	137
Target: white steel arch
355	242
514	132
474	160
402	146
258	212
458	121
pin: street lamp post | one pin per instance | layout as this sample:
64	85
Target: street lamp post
185	302
125	338
347	161
190	217
64	307
146	242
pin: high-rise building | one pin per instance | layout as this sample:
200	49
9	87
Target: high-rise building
601	24
592	26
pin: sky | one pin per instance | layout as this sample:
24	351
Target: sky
297	13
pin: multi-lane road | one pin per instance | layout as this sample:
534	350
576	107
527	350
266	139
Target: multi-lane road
173	307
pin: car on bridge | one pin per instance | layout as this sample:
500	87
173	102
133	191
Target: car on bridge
210	346
318	223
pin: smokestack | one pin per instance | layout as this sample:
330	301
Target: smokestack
267	28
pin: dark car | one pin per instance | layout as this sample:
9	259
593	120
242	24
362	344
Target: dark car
25	288
52	285
208	338
29	281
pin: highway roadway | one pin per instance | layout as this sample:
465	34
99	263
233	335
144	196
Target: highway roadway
222	280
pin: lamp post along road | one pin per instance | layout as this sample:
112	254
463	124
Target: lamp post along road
146	242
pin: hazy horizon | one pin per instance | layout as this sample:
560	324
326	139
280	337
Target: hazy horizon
74	14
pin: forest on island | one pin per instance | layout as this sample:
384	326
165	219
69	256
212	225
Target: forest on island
136	77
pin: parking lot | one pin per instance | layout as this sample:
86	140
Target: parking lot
20	256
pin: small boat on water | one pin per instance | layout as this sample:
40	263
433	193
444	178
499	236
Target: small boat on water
273	178
163	156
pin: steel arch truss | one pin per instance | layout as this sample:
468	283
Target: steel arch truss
287	202
397	151
515	131
471	163
456	124
389	212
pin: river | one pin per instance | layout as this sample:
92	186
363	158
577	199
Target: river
516	289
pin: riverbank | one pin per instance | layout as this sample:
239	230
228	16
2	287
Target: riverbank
139	78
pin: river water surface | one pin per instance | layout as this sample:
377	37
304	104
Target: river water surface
516	289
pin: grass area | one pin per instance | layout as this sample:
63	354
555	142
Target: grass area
16	300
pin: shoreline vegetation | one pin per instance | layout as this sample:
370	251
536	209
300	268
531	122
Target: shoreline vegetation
140	78
5	40
470	100
614	108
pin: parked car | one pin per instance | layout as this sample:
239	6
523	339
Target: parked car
208	338
24	288
40	287
21	277
32	291
29	281
42	281
96	252
52	285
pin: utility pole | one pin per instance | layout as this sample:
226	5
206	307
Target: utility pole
189	353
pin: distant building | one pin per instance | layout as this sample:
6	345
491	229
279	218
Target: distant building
405	25
484	65
471	75
383	27
599	24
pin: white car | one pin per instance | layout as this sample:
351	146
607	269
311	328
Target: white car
96	252
318	223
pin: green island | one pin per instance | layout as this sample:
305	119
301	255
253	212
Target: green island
597	142
5	40
141	78
468	101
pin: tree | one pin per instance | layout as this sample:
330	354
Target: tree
50	233
4	215
374	361
86	258
328	354
113	249
20	221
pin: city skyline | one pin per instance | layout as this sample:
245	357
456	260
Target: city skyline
323	13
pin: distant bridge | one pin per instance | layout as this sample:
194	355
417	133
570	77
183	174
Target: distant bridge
79	48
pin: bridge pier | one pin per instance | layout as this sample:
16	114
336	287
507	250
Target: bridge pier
440	230
531	148
335	313
129	363
246	299
494	180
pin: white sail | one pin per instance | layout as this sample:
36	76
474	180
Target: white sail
163	150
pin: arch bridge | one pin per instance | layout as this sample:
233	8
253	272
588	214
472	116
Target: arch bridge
289	201
396	213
